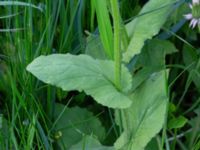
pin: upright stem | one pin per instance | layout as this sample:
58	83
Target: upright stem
199	28
117	51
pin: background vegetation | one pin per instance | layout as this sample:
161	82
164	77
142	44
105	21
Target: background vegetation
35	115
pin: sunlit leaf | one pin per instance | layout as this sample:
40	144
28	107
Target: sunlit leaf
144	119
95	77
176	123
153	16
104	26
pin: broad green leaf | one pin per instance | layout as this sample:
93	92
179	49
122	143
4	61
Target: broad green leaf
144	119
176	123
95	77
104	26
141	76
182	8
90	143
73	124
154	52
153	16
151	59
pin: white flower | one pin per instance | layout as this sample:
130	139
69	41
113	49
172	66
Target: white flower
195	1
194	16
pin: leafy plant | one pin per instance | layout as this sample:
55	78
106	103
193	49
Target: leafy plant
114	74
95	77
109	82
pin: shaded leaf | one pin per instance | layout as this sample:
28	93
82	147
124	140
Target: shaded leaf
73	124
90	143
152	145
154	52
191	58
151	59
4	132
190	55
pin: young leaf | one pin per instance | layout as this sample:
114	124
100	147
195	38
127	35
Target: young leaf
144	119
144	27
176	123
95	77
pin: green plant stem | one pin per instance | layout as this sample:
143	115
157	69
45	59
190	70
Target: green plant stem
117	51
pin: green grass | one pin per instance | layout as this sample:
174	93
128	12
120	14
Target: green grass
32	28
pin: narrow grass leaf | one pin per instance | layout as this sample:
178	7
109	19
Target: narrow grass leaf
10	15
11	30
17	3
104	25
43	135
